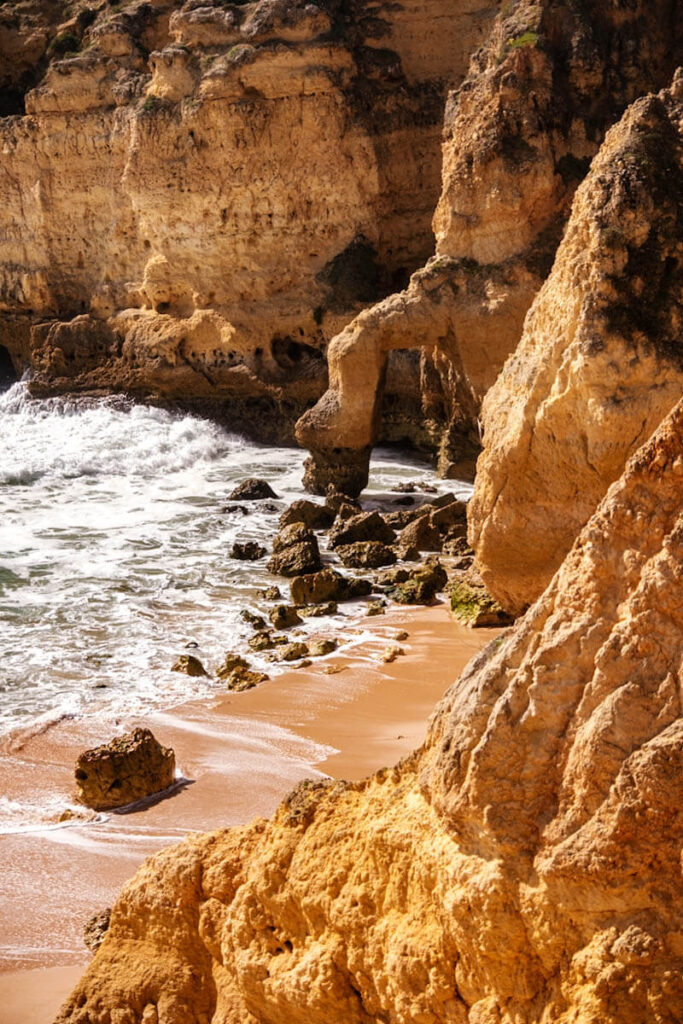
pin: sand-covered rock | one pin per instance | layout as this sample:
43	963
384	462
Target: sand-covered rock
127	769
600	363
523	866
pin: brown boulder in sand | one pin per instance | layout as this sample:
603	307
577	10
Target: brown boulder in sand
126	769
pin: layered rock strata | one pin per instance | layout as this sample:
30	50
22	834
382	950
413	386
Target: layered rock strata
519	135
523	866
197	197
600	362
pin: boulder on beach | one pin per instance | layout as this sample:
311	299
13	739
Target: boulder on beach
368	554
295	552
361	527
252	489
284	616
127	769
327	585
312	515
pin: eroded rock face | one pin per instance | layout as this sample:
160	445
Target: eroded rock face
239	180
600	363
519	135
127	769
523	866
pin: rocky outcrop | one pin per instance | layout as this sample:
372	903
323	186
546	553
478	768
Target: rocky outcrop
523	866
129	768
238	181
519	135
600	363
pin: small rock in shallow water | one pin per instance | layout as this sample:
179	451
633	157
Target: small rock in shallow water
318	610
375	608
319	648
293	651
96	929
390	654
123	771
190	665
257	621
242	678
284	616
269	594
401	634
265	640
247	551
252	489
232	661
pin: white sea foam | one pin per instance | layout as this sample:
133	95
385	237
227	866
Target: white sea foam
114	550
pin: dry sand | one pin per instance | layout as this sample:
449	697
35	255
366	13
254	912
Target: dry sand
240	754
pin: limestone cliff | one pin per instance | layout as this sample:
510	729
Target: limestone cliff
600	362
524	866
519	135
195	197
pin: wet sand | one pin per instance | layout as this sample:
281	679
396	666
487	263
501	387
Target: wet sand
240	754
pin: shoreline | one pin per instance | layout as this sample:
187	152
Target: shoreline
240	753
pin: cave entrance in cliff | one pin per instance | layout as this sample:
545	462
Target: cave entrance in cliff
8	375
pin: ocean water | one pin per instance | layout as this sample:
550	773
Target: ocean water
114	552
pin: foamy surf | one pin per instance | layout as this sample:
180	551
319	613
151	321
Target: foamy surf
114	544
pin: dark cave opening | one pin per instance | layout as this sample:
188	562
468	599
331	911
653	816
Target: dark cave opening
8	374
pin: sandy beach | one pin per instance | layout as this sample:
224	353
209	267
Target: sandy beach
238	754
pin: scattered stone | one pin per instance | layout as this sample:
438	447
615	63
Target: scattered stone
96	929
269	594
252	490
336	500
401	634
414	486
327	585
369	554
190	665
408	553
361	527
284	616
319	648
265	640
257	621
241	679
448	516
333	670
315	517
231	662
421	534
232	509
293	651
295	552
318	610
375	608
305	663
247	551
421	586
390	654
346	512
123	771
191	644
392	577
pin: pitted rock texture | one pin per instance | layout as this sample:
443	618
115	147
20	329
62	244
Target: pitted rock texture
129	768
523	866
519	135
600	363
195	198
